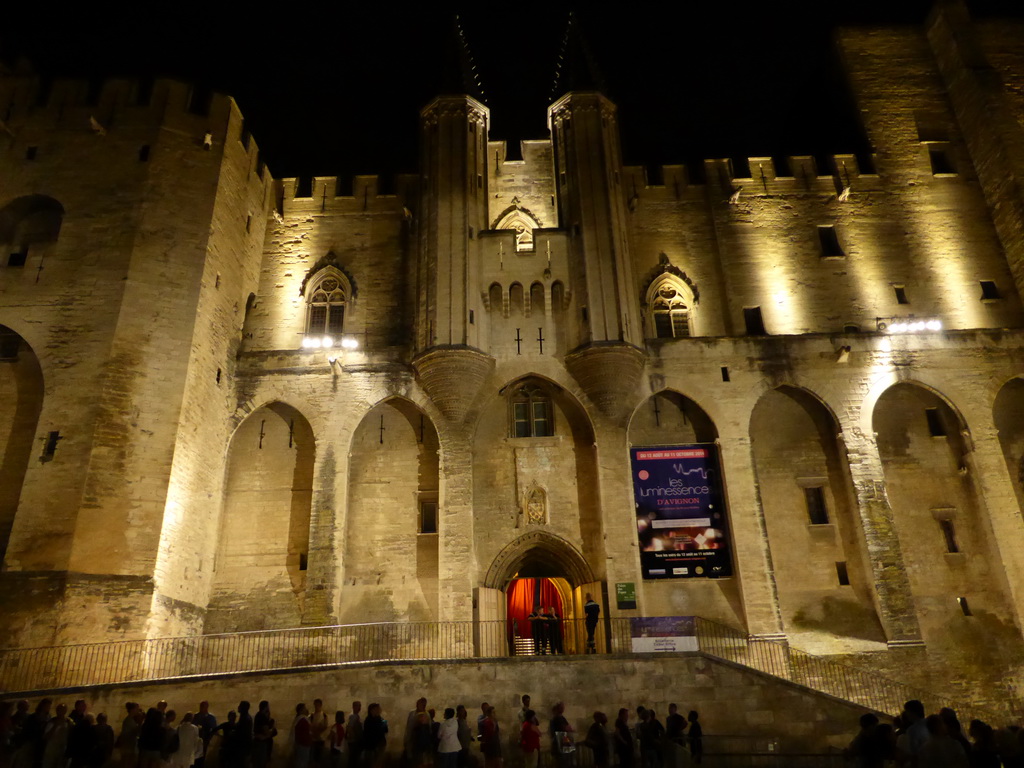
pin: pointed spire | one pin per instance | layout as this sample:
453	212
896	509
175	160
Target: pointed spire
576	68
471	83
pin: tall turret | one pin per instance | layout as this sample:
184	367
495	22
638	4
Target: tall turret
453	209
585	136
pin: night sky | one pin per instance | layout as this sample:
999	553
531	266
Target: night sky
337	91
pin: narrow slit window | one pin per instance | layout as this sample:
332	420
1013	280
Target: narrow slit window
303	561
901	294
18	258
935	426
428	516
725	373
144	153
842	574
949	535
830	248
990	291
817	512
964	607
30	153
754	321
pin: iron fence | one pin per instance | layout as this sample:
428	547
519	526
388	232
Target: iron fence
34	669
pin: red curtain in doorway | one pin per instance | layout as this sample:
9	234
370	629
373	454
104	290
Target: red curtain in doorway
522	596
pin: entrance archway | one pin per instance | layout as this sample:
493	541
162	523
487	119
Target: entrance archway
540	569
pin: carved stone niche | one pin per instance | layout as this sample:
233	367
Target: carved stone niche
534	505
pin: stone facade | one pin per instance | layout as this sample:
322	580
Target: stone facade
184	455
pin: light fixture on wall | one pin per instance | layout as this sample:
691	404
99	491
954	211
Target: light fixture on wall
909	324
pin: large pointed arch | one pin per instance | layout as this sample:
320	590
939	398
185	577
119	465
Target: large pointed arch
393	516
822	571
21	401
259	579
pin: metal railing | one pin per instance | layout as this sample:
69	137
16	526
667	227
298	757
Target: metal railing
35	669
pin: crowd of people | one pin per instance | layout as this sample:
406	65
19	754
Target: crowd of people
49	736
934	741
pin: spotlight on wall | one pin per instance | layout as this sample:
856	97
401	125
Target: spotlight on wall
349	342
910	324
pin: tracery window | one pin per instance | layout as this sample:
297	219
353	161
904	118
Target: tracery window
530	413
671	314
325	306
668	303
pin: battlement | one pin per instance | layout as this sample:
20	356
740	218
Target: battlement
757	175
35	111
319	194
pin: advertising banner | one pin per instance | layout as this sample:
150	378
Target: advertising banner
664	633
680	515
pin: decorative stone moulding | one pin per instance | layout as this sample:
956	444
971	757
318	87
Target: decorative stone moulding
453	377
609	373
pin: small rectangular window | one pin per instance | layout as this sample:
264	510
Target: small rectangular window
753	321
521	419
816	510
662	325
428	516
842	574
335	319
18	258
990	291
964	607
30	153
901	294
541	419
935	426
303	561
144	153
829	240
725	373
471	316
941	164
949	535
50	446
317	318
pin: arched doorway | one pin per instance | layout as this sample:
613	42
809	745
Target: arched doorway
21	400
539	570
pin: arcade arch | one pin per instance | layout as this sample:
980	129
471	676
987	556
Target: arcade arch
1008	415
665	419
821	570
21	400
391	551
260	573
944	534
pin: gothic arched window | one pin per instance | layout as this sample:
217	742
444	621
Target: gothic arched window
530	413
669	302
326	298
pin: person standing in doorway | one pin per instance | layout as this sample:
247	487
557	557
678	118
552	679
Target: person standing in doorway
592	612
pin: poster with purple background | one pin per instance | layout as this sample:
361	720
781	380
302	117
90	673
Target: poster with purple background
680	514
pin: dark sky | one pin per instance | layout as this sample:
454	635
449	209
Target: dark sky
338	90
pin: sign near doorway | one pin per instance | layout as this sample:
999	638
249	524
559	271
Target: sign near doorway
625	595
680	514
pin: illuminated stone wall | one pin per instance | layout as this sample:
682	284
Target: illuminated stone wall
172	309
